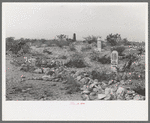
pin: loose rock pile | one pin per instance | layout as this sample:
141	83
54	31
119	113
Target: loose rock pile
90	89
95	90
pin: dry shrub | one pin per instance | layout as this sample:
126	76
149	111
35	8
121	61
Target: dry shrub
71	85
77	61
119	49
95	56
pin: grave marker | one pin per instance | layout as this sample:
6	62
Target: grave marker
114	60
99	44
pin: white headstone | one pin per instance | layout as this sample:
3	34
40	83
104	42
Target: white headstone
99	44
114	60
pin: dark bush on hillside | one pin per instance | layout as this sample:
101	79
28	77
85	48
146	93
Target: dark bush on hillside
46	51
101	75
94	56
90	39
120	50
77	61
141	51
113	39
137	86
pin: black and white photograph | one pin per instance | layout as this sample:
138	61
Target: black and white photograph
75	53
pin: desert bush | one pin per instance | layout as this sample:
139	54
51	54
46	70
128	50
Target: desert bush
86	47
9	42
72	47
62	43
141	50
61	36
90	39
119	49
71	85
113	39
46	51
40	61
77	61
101	75
95	56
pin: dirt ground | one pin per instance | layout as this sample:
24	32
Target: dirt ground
16	89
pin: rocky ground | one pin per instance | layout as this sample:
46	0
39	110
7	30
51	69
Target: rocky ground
24	82
20	87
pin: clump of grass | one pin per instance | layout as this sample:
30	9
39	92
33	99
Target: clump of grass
77	61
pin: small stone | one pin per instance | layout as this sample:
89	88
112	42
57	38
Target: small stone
93	93
104	85
90	81
38	70
84	87
128	97
122	82
86	92
130	92
74	76
120	97
137	97
107	91
95	89
96	80
84	80
79	78
46	70
93	97
47	77
109	97
86	75
110	82
121	91
56	80
78	73
101	96
92	85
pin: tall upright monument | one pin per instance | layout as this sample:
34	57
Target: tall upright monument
99	47
74	37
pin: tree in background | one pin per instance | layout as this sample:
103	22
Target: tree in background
125	41
91	39
9	42
113	39
61	36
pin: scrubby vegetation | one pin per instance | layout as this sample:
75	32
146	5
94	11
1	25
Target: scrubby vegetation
71	85
77	65
86	47
76	60
119	49
95	56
